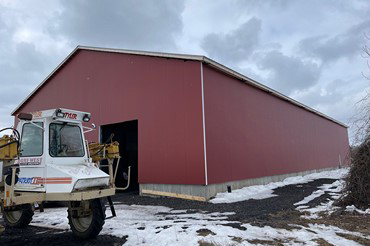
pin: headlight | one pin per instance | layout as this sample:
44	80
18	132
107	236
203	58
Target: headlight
59	113
86	118
92	182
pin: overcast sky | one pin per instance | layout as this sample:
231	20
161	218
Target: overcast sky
308	50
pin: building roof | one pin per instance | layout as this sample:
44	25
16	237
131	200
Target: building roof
199	58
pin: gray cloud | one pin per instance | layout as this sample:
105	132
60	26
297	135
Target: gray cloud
21	70
33	41
28	59
337	99
277	46
327	94
22	66
124	24
2	23
330	48
4	39
235	46
289	73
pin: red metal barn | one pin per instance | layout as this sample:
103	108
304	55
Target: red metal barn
188	125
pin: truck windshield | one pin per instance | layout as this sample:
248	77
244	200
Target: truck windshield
32	136
65	140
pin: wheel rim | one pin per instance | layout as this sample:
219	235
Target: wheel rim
13	216
82	223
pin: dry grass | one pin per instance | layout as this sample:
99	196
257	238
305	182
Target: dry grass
266	242
206	243
360	240
322	242
205	232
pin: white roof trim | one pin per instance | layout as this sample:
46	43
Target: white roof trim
185	57
145	53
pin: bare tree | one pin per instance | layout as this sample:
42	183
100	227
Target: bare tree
357	188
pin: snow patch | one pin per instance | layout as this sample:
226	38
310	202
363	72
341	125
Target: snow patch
265	191
158	225
336	186
327	207
353	208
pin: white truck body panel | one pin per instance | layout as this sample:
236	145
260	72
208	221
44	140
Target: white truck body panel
58	174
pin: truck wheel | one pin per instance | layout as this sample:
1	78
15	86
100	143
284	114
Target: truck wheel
86	218
20	217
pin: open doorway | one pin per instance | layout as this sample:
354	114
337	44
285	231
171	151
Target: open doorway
126	134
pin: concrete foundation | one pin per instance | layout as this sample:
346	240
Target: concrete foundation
204	193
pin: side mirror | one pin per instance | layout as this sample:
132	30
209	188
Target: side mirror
25	116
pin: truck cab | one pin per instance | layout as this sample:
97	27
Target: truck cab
47	159
54	156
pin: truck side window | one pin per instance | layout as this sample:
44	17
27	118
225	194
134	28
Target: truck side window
32	140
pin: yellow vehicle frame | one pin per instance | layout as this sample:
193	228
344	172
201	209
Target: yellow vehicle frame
8	148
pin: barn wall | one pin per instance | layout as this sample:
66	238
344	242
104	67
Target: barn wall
163	94
250	133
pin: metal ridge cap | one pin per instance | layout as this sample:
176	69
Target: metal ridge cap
145	53
268	89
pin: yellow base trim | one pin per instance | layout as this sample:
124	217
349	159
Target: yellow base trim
170	194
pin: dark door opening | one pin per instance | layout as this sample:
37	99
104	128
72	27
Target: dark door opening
126	134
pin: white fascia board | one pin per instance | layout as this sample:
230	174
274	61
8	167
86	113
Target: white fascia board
145	53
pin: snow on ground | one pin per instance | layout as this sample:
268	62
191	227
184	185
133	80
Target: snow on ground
352	208
266	191
337	186
327	207
157	225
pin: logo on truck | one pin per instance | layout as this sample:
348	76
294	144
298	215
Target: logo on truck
29	161
40	180
71	116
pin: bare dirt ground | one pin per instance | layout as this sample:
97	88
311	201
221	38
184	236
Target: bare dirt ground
277	212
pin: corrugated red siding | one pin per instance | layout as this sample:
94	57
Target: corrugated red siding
163	94
250	133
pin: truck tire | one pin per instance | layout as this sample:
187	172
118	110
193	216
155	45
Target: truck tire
88	225
20	217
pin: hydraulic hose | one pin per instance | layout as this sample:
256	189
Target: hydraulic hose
15	132
16	136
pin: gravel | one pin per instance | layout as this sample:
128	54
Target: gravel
245	211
